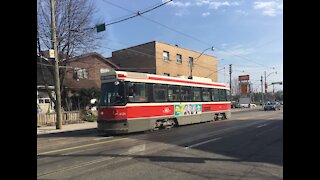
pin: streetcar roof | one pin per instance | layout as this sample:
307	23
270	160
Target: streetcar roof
153	78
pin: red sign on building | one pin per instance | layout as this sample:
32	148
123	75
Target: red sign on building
243	77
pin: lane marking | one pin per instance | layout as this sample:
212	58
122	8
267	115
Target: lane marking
75	152
76	147
262	125
204	142
75	166
97	139
92	162
267	130
221	131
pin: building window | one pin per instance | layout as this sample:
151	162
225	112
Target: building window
166	74
165	55
179	58
44	100
190	60
81	73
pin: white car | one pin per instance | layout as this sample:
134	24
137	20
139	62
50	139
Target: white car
253	105
248	105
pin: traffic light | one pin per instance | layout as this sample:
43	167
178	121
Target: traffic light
265	87
230	68
101	27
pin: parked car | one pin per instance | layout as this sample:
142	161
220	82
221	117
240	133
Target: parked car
235	104
253	105
272	106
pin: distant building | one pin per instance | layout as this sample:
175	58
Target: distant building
164	59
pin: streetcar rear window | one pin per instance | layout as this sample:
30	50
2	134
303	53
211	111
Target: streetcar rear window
222	95
228	95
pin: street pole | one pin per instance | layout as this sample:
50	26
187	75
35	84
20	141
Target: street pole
230	72
56	69
265	81
191	60
273	89
262	101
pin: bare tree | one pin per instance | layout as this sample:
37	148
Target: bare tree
75	31
235	86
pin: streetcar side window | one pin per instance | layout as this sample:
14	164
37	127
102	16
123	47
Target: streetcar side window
214	95
222	95
186	93
137	92
206	96
173	93
160	93
196	94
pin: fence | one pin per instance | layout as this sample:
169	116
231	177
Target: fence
49	119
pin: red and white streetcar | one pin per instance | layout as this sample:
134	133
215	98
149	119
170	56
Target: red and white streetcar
132	102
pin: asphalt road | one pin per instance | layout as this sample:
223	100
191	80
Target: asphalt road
248	146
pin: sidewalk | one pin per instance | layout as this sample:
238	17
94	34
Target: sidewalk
92	125
245	109
66	128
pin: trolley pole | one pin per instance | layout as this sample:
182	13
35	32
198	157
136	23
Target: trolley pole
56	70
191	64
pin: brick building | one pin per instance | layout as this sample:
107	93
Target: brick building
164	59
84	71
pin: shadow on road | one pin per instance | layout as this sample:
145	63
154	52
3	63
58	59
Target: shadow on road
75	133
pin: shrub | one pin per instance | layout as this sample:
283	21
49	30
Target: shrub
89	118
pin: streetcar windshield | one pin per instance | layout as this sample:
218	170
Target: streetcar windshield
112	93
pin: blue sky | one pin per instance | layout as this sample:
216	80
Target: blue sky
245	33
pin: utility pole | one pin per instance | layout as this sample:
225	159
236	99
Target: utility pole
262	101
273	89
56	69
265	82
230	72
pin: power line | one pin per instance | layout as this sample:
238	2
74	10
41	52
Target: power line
138	13
215	72
191	37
